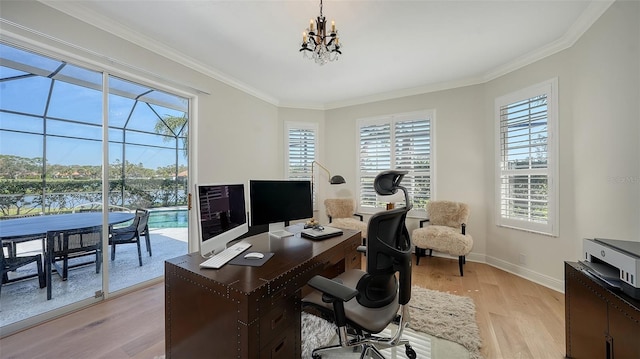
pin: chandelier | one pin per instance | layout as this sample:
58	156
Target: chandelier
319	46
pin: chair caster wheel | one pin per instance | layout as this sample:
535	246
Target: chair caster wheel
316	356
411	354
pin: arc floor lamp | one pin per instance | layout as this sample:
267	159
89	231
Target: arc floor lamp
337	179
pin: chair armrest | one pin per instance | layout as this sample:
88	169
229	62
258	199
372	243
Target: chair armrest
332	288
464	228
359	216
423	221
335	293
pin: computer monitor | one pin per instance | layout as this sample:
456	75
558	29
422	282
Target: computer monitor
276	202
222	216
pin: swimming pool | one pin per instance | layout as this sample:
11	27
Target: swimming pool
170	218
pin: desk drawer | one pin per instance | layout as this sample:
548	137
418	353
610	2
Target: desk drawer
285	345
353	261
278	318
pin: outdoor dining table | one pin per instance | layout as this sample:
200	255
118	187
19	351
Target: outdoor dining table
24	229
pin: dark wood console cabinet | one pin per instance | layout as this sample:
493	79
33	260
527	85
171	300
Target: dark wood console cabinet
599	322
244	311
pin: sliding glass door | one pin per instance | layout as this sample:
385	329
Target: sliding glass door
50	163
148	169
56	132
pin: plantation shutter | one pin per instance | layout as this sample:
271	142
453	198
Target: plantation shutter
524	170
302	153
375	156
400	142
301	144
413	153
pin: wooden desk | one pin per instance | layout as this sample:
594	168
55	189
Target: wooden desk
600	323
248	312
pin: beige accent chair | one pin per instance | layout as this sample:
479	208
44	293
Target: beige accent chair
446	232
341	212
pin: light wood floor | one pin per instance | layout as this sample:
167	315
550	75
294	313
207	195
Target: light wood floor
517	319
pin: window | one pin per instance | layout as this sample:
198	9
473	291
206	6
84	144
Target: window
526	186
402	142
301	142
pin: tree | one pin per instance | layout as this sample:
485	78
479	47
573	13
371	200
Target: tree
174	128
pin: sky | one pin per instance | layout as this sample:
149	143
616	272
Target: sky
74	114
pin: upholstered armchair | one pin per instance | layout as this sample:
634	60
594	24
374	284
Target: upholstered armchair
341	213
445	233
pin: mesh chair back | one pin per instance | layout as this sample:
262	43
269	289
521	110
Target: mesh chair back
388	250
76	240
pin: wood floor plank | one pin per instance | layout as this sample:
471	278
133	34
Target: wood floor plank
516	317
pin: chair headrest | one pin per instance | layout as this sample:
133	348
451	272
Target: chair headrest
388	182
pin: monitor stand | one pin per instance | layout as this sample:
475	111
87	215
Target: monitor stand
277	230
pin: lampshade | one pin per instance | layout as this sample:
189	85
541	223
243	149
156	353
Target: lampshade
337	179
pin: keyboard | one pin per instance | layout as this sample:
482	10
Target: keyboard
220	259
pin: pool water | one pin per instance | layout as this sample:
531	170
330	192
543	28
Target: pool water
178	218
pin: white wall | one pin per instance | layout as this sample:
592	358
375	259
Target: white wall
598	138
236	135
599	132
599	114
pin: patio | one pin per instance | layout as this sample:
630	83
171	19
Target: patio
23	299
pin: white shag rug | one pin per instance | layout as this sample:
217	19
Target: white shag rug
442	325
447	316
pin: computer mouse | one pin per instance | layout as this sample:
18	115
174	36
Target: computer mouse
254	255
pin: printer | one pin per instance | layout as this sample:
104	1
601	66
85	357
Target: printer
615	262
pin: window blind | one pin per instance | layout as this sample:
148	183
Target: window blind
302	153
413	153
375	156
397	142
523	152
301	145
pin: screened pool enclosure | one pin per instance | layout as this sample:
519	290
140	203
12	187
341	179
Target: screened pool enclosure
52	133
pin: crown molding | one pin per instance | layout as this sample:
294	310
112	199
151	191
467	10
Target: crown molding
113	27
579	27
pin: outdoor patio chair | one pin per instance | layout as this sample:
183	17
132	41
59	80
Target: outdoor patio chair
66	245
10	264
132	234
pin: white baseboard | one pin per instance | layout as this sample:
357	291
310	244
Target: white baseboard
528	274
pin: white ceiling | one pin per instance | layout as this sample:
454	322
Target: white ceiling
391	48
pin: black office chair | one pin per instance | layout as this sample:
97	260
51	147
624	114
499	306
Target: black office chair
132	234
362	304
